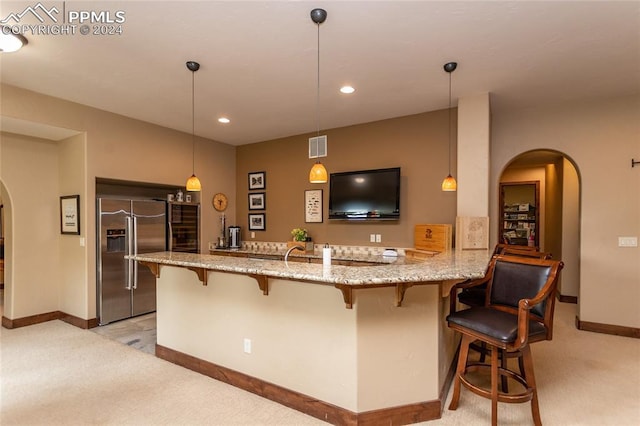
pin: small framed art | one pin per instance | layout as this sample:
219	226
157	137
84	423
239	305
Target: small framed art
70	214
257	201
313	205
257	180
257	222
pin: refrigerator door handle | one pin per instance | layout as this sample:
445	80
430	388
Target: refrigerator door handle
170	237
129	271
135	252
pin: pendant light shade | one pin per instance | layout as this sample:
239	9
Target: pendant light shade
449	183
318	173
193	183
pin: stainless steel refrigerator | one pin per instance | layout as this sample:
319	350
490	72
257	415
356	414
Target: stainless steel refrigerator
126	289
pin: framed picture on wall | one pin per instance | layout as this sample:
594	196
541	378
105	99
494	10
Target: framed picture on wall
257	180
70	214
313	206
257	222
257	201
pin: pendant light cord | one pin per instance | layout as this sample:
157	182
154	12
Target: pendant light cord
318	88
193	123
449	123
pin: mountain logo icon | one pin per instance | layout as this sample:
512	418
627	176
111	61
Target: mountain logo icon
39	11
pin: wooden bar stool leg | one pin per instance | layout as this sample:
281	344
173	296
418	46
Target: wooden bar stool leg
494	386
503	363
527	360
462	365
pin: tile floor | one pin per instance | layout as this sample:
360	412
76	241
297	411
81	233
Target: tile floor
138	332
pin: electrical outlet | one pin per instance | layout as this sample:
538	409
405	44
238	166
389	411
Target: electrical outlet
212	245
247	346
253	234
82	242
372	238
627	241
378	238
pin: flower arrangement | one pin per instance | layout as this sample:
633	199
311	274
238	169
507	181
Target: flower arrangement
299	234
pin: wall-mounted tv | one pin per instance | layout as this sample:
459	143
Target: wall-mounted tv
365	195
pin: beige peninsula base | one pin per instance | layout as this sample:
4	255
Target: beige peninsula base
333	363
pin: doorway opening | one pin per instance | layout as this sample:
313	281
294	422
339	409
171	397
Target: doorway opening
557	229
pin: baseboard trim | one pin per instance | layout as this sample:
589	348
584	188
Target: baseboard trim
401	415
617	330
79	322
567	299
49	316
30	320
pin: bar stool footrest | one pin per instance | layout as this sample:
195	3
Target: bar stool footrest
515	398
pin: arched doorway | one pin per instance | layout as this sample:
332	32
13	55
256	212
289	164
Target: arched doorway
559	209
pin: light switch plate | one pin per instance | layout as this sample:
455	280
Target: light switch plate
627	241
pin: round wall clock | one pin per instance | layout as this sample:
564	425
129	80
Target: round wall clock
220	202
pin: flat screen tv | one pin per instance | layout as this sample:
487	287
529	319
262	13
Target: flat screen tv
365	195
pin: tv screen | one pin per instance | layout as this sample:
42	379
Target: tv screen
365	195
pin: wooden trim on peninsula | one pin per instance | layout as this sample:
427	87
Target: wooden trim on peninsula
617	330
401	415
49	316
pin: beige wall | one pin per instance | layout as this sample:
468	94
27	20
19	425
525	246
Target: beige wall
474	123
74	297
416	143
117	147
30	175
304	339
601	137
570	283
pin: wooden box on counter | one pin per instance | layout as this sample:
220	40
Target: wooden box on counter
433	237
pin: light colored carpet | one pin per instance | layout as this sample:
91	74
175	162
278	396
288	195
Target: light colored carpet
57	374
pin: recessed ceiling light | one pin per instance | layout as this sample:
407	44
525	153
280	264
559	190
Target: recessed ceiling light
10	42
224	120
347	89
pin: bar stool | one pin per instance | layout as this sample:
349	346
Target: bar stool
518	310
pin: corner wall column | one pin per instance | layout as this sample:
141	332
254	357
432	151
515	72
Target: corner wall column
473	149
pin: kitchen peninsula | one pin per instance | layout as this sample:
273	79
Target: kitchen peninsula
346	344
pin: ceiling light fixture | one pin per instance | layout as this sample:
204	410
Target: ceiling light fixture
193	183
449	183
224	120
10	42
347	90
318	173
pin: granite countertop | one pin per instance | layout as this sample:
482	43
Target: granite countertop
453	265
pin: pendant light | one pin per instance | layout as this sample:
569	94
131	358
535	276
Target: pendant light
318	173
449	183
193	183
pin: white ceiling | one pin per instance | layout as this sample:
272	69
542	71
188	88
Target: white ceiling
258	60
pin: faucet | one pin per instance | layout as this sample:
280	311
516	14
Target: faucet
296	247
